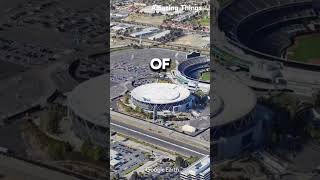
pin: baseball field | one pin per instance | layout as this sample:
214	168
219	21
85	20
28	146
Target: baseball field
306	49
205	76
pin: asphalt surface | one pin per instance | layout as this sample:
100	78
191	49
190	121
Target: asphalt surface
157	140
11	168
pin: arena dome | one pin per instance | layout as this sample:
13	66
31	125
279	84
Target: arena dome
165	96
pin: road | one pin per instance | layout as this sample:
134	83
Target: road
157	140
11	168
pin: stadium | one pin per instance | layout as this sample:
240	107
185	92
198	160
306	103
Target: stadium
250	33
88	111
268	30
235	127
162	97
194	72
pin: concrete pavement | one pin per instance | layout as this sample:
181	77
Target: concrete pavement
158	140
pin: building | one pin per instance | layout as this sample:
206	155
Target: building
160	35
162	96
116	15
87	109
189	71
236	127
114	158
266	72
145	32
200	170
185	16
120	27
188	128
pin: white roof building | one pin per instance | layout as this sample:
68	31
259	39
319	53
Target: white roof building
144	32
200	170
160	35
114	162
120	27
113	154
188	128
160	93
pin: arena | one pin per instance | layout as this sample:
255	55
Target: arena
162	96
265	29
189	72
88	111
236	124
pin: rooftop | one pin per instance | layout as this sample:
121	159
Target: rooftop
89	100
160	93
238	100
201	166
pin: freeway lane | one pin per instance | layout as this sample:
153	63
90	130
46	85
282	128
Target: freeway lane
158	140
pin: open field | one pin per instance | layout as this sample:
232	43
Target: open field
204	21
146	19
195	40
205	76
305	49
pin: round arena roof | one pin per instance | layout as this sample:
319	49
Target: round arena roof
89	100
160	93
237	99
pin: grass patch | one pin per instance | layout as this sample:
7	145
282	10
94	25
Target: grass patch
306	49
56	149
192	160
205	76
204	21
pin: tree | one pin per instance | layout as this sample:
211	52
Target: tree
159	178
97	153
89	150
57	151
134	176
149	115
126	99
180	162
85	147
50	121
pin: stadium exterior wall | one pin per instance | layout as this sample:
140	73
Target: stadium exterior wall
231	146
233	138
183	79
180	106
86	130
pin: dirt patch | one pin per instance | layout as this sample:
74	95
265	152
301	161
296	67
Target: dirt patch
315	61
192	40
146	19
33	150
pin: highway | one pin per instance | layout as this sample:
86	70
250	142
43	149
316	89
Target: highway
158	140
12	168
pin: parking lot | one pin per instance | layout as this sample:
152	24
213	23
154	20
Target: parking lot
128	158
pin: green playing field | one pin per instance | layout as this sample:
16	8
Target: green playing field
205	76
305	49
